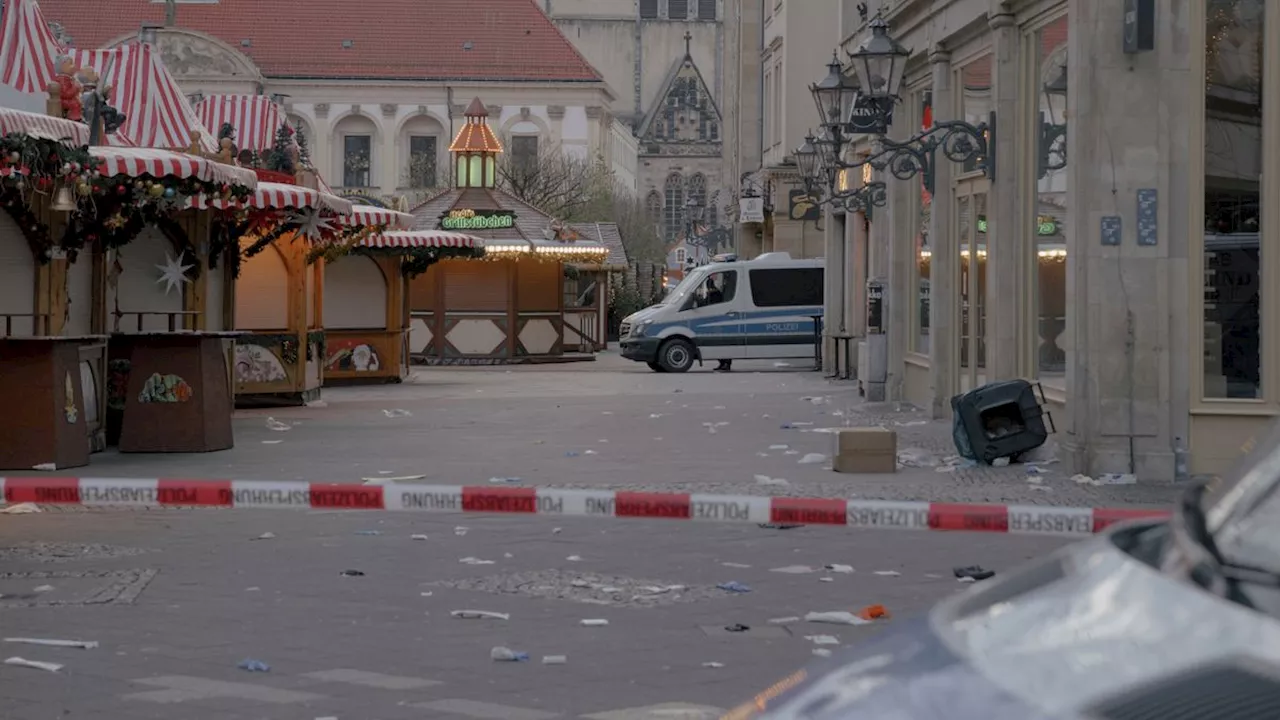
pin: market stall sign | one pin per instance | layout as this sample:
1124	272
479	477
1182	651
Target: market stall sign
478	220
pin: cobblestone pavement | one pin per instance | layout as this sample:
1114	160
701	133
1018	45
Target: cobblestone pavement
614	424
177	599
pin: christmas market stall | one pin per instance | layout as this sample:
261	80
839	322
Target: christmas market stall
366	288
510	304
50	368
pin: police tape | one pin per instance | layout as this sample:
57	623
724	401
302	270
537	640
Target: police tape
900	515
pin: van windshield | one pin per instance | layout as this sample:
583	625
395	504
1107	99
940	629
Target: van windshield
691	281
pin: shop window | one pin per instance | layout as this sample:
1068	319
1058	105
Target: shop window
1233	156
923	203
1047	226
357	151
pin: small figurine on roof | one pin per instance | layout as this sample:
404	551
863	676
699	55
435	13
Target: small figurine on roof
66	89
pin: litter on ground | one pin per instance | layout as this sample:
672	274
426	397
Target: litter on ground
33	664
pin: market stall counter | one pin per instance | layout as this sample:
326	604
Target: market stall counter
46	411
176	391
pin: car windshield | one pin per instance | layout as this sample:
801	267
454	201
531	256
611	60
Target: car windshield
691	281
1242	509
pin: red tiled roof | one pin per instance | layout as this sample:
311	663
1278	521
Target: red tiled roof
395	39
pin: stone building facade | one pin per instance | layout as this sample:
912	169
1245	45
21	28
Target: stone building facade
1109	252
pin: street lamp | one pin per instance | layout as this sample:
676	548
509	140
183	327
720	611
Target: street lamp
834	95
879	64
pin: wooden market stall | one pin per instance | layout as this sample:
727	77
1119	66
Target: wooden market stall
367	318
279	292
509	305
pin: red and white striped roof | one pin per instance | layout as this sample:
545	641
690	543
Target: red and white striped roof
158	113
255	117
27	47
46	127
136	162
280	196
421	239
373	215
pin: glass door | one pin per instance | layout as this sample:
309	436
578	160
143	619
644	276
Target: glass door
971	234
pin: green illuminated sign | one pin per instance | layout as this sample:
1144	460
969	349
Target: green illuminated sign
478	220
1045	226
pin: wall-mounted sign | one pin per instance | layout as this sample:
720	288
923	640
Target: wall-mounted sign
1045	225
804	207
477	220
870	116
751	210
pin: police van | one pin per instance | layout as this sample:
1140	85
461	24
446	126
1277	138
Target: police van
764	308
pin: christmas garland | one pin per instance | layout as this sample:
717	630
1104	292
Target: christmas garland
347	240
420	259
35	232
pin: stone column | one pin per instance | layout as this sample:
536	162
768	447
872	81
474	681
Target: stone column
944	268
833	322
1128	337
880	239
899	302
1007	309
856	280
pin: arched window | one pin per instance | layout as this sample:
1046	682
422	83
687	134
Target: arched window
698	190
653	207
673	206
713	211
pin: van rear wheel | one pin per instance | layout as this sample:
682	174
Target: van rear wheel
676	355
656	367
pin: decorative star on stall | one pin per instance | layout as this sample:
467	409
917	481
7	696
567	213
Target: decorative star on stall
173	273
311	224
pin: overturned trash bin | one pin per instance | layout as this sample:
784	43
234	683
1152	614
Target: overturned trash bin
1002	419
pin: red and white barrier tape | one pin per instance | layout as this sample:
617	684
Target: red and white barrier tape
128	492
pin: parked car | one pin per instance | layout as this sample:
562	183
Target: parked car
1153	620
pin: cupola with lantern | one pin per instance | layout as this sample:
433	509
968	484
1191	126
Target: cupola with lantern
475	150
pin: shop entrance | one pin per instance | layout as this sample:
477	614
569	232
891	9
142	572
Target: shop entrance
970	231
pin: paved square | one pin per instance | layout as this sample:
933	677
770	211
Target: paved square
485	710
183	688
371	679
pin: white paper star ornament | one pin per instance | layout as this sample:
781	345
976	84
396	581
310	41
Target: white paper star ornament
311	224
173	273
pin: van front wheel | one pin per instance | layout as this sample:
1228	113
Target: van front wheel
676	355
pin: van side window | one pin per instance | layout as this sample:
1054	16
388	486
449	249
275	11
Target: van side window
786	287
718	288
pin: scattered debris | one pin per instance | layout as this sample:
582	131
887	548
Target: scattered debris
25	508
779	447
417	537
1000	462
82	644
502	654
784	620
369	532
654	416
43	589
594	622
846	569
554	659
574	558
385	480
823	639
916	458
817	400
826	579
397	413
966	580
589	452
813	459
712	665
734	586
474	561
874	612
33	664
272	442
740	566
556	531
460	530
766	480
352	573
50	467
910	423
426	594
888	573
570	453
977	572
274	424
776	526
835	617
254	666
316	404
480	615
737	628
506	480
794	570
265	536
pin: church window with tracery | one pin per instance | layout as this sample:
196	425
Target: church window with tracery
673	206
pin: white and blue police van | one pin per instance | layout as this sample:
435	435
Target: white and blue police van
764	308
